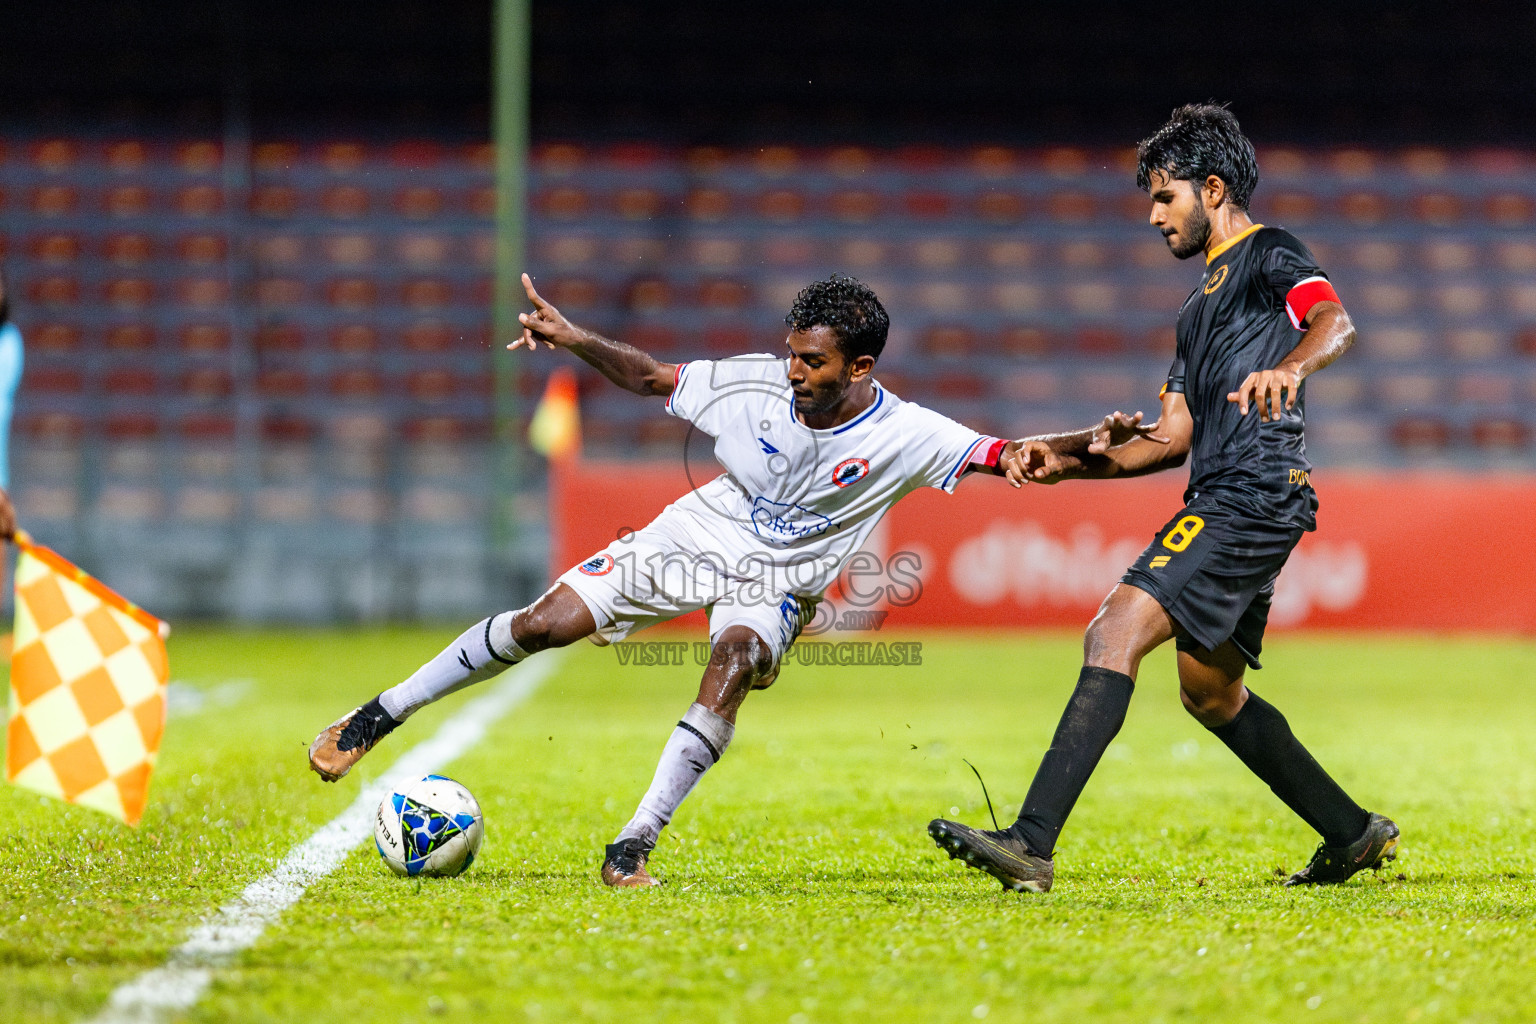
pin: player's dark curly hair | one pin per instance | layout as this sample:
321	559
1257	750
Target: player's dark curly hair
849	308
1199	140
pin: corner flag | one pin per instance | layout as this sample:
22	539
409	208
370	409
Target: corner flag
88	688
555	430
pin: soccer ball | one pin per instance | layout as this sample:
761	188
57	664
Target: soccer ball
429	826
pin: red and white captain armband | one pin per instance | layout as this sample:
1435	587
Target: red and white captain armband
1306	294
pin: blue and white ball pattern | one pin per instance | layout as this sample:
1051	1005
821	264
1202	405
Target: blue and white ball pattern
429	826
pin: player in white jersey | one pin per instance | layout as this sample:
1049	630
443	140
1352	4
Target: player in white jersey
815	452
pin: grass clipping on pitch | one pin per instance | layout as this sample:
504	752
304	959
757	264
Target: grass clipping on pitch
801	885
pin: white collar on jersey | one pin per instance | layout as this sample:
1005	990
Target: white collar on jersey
830	431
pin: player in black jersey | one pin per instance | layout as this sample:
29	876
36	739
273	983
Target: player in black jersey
1262	319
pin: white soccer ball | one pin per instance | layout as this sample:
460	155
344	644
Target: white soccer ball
429	826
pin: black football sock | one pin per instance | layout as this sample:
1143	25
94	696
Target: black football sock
1093	717
1262	739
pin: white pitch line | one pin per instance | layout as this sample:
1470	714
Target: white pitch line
175	987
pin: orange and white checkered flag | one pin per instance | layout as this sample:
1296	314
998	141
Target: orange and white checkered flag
88	686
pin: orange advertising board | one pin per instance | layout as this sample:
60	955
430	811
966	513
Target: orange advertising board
1392	551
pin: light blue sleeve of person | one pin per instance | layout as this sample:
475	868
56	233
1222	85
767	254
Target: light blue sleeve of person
10	378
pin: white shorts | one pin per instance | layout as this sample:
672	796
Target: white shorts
668	569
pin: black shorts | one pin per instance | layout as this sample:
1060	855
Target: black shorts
1213	569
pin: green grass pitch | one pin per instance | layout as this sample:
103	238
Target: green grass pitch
801	884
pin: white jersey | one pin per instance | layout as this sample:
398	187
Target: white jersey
795	503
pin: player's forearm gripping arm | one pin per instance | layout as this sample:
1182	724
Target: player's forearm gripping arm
1329	335
1137	456
625	365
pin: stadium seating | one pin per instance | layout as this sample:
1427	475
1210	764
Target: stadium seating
329	303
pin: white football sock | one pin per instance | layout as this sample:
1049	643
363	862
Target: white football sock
485	649
697	743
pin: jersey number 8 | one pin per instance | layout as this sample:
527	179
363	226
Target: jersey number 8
1183	532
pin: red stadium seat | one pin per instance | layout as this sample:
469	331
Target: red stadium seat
54	200
997	207
199	157
129	250
282	383
349	249
479	156
55	155
344	202
481	201
729	339
130	426
424	250
1485	389
781	205
54	337
994	162
433	385
206	384
1365	208
202	250
1509	210
52	427
275	202
129	292
708	205
288	429
572	293
130	337
1502	434
56	248
1525	340
343	157
202	427
652	338
1159	341
426	293
53	380
724	294
1100	341
428	336
419	202
273	338
204	338
131	380
1438	209
649	295
960	386
275	157
854	206
949	341
776	161
1065	162
558	158
1292	208
637	203
357	384
54	290
444	429
1421	433
354	338
124	201
851	161
279	250
1072	207
354	293
564	202
202	292
416	154
927	205
1031	342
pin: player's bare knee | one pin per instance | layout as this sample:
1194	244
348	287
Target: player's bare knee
743	656
1212	708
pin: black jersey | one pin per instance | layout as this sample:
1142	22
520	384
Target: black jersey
1235	322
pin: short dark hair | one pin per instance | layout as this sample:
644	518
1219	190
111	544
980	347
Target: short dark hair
1199	140
849	308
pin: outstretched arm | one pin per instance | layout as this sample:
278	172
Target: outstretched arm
1120	446
1329	335
625	365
